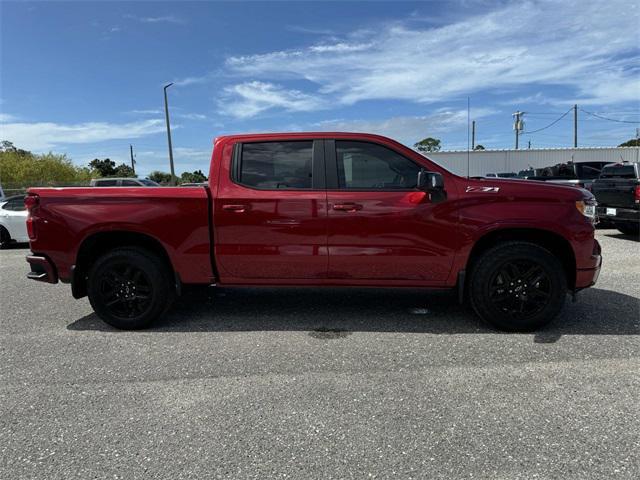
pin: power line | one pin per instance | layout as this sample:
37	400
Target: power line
551	124
606	118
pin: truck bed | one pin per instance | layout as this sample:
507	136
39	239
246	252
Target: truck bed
73	218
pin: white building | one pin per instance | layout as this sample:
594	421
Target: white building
482	162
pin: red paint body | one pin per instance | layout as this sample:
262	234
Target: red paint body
234	235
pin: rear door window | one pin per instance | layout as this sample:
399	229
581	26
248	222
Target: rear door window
130	183
276	165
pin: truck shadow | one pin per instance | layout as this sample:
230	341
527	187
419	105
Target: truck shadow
336	313
623	236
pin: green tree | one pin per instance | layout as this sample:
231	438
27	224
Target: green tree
104	168
22	168
634	142
160	177
479	147
428	144
124	170
193	177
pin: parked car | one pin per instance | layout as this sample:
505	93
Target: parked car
319	209
502	175
617	191
123	182
573	174
13	218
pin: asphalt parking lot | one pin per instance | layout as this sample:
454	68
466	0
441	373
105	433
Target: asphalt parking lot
320	384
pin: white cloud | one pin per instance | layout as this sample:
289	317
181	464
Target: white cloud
44	135
587	46
159	19
406	128
251	98
192	153
5	117
146	112
191	116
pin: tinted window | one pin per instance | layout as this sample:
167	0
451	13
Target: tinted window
276	165
107	183
369	166
15	204
130	183
149	183
589	169
618	171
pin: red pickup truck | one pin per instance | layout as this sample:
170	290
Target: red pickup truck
319	209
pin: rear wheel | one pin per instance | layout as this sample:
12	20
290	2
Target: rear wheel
517	286
129	288
5	238
629	228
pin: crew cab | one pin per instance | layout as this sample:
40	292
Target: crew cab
319	209
617	191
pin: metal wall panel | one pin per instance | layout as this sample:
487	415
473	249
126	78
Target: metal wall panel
493	161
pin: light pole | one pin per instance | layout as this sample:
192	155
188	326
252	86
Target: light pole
166	116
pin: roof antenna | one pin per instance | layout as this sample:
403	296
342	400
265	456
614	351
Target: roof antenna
468	138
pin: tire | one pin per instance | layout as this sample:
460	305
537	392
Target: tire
632	229
130	288
517	286
5	237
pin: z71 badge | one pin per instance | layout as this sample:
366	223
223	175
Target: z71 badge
482	189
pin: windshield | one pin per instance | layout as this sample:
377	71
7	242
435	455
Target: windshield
149	183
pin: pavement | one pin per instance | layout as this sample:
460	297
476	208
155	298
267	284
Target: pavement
313	383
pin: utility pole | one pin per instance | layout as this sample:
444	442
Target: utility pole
473	135
518	125
133	162
166	115
575	126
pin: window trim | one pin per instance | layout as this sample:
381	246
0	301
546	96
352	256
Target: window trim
317	166
332	167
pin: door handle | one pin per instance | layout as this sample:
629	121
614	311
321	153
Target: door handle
235	208
347	207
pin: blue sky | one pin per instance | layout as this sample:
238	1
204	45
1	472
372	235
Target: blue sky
85	78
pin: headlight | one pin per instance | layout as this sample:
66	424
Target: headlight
588	209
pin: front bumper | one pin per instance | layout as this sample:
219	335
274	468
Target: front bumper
587	277
42	270
626	215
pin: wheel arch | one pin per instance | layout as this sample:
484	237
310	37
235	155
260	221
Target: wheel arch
97	244
551	241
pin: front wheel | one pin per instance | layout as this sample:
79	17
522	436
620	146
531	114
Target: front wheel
129	288
517	286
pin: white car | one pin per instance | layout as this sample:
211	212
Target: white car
13	220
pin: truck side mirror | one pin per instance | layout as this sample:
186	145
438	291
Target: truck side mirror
430	181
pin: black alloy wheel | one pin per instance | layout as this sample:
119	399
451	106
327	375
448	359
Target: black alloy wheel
517	286
129	288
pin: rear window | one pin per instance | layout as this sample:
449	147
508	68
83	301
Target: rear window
618	171
276	165
15	204
106	183
589	170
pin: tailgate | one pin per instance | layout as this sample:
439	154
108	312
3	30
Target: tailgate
615	192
